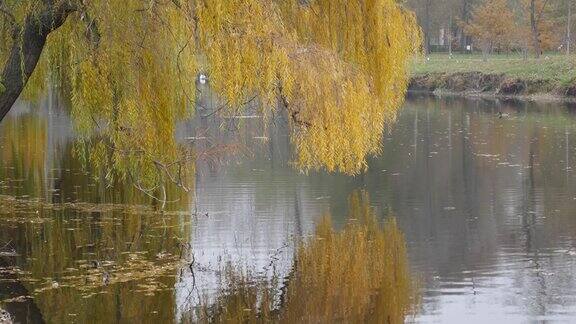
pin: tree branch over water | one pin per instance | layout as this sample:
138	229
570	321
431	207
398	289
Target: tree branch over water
29	41
133	65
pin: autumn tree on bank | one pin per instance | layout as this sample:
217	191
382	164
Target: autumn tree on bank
492	25
536	25
337	68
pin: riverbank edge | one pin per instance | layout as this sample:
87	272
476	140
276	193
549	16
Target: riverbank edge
478	84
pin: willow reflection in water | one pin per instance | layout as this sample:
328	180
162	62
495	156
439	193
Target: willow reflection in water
486	205
357	274
78	249
89	262
108	263
75	249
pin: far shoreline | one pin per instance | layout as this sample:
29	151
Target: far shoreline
550	78
536	97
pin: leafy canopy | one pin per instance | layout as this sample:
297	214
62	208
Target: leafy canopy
505	25
336	68
492	24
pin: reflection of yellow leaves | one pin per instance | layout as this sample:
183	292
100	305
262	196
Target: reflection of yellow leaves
113	249
24	139
358	274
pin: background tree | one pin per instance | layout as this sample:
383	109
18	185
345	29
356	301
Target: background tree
539	25
492	25
568	26
438	15
560	14
535	16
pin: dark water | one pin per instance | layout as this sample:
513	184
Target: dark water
487	206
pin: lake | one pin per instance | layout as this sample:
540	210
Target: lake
483	192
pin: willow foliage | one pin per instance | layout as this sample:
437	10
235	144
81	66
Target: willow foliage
337	68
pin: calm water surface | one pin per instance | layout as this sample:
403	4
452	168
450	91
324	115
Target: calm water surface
487	206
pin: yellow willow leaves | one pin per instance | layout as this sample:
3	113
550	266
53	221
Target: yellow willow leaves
340	67
240	39
337	69
131	70
377	35
338	121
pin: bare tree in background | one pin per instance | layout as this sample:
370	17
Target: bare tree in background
568	28
534	29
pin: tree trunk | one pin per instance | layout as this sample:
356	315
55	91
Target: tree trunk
485	51
569	28
26	51
465	17
450	35
427	6
534	29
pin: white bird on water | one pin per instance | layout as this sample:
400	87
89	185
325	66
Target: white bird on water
203	78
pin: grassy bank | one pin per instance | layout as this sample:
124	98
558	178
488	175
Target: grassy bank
507	75
560	69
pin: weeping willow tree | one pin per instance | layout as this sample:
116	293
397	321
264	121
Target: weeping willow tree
336	68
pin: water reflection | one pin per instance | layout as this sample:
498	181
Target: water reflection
71	250
89	262
486	205
357	274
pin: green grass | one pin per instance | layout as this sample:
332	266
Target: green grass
558	68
